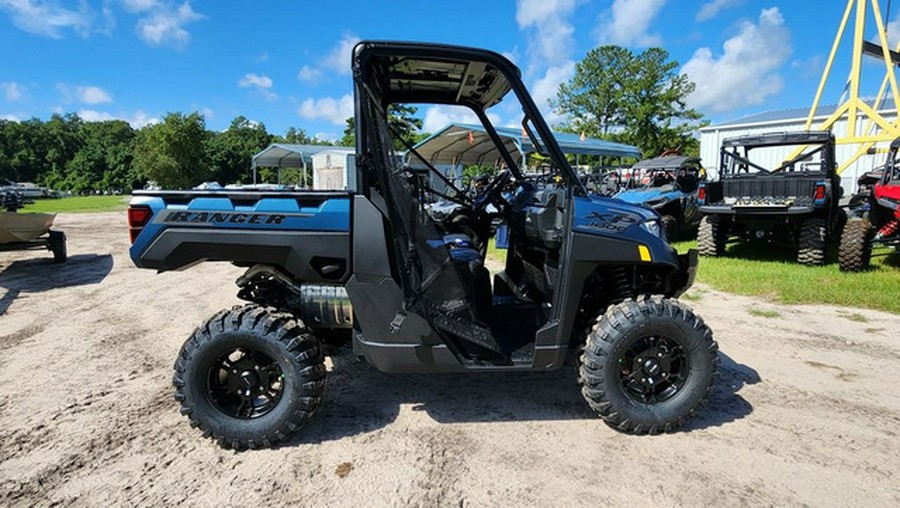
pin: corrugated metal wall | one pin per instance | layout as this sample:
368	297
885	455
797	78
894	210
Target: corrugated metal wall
711	140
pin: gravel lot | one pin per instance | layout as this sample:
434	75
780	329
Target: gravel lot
806	410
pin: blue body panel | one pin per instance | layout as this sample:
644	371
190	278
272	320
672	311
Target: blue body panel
266	214
616	219
645	196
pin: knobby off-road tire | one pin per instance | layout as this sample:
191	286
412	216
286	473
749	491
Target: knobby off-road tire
57	241
811	245
671	227
637	341
712	236
270	353
855	251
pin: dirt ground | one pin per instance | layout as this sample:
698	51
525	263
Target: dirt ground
806	410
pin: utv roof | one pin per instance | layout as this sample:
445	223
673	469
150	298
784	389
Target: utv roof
780	139
434	73
462	143
667	162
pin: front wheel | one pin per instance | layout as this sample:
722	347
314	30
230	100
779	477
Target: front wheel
648	365
250	377
670	224
855	251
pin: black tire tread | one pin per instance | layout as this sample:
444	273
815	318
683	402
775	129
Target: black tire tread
600	342
286	329
712	236
811	245
855	251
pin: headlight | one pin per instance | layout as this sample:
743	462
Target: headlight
652	226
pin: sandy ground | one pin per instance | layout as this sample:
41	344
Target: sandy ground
806	411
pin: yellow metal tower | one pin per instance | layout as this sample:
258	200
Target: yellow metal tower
875	128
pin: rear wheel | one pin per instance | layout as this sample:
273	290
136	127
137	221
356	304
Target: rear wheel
811	251
648	365
855	252
58	246
712	235
250	377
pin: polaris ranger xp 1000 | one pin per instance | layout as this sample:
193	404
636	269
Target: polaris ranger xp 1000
410	292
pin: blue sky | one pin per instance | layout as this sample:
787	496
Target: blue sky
286	63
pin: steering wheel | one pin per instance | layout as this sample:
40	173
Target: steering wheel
491	192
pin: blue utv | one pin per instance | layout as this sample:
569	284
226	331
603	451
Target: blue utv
667	184
408	290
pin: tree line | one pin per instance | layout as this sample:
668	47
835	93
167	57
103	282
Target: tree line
615	94
66	153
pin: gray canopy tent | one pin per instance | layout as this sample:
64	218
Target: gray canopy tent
461	144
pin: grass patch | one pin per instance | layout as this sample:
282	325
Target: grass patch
763	313
854	316
79	204
771	271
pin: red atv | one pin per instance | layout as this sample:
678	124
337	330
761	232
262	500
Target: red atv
874	216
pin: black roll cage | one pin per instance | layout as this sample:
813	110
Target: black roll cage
366	50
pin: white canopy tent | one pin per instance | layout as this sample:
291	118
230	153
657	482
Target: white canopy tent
283	155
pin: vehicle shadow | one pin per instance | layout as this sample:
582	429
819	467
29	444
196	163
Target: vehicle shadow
359	399
38	275
725	405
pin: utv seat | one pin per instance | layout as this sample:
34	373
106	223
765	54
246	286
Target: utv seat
475	276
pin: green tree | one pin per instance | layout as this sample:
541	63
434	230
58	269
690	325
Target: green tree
104	160
173	152
403	123
638	99
231	152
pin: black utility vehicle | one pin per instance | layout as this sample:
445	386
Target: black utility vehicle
795	203
410	291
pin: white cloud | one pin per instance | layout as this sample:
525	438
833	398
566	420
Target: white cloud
893	33
137	119
165	24
11	118
711	9
140	5
92	95
627	23
309	74
746	73
262	84
546	87
336	61
551	40
335	111
207	113
48	18
12	91
326	136
437	117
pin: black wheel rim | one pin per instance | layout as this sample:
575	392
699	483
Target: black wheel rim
245	383
653	369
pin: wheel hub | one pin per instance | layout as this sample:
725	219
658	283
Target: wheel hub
653	369
245	383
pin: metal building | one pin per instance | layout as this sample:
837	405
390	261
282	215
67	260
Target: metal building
787	120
